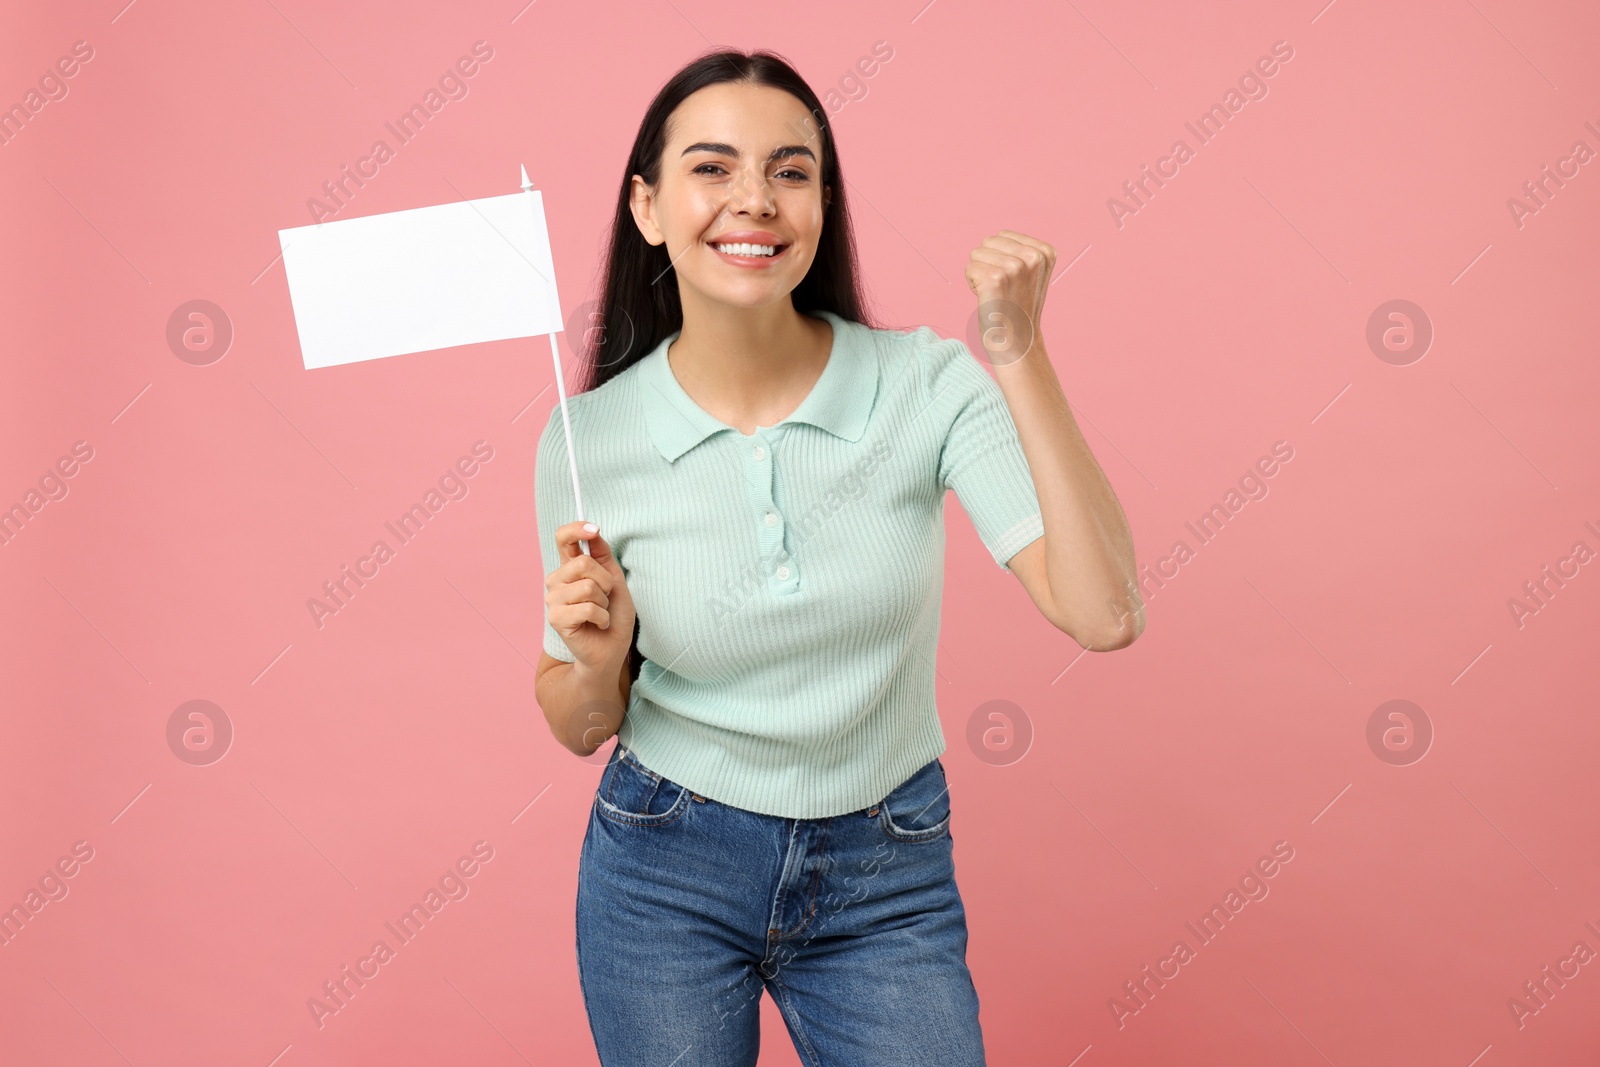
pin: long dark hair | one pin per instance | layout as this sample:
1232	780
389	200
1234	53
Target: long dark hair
639	304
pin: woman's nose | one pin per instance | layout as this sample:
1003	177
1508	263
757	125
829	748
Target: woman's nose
751	194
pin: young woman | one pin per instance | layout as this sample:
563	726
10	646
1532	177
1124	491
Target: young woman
758	616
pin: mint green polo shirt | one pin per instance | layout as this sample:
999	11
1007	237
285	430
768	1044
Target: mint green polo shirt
788	582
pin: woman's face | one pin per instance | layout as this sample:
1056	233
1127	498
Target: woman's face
742	166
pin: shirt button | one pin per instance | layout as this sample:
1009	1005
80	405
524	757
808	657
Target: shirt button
772	518
783	573
760	452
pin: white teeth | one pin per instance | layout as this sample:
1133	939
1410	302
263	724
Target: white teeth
747	249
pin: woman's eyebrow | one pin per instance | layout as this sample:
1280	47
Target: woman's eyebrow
783	152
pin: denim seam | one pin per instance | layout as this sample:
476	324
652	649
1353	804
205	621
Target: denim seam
792	1016
630	818
776	914
577	939
775	934
816	883
912	837
610	811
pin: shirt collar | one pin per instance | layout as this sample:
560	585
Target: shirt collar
839	403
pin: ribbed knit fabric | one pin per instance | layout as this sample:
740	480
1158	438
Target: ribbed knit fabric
788	582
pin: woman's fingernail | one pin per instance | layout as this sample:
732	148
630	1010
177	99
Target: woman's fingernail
590	527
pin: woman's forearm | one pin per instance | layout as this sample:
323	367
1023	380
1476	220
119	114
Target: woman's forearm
1089	552
583	707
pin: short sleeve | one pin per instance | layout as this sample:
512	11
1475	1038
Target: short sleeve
554	506
982	458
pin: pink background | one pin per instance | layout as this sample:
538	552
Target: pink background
1229	313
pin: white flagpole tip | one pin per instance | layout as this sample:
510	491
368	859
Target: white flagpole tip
527	186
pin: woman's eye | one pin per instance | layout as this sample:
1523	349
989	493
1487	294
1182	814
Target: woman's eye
790	173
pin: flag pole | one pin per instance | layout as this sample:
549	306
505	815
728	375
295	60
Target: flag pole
561	393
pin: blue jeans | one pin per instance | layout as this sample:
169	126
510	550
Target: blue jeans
688	909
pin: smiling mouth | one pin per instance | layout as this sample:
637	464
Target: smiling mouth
748	252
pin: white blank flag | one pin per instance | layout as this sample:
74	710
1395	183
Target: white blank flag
423	279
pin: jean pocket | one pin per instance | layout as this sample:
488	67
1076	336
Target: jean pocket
633	794
919	808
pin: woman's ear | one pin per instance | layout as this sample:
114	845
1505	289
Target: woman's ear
641	201
827	196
